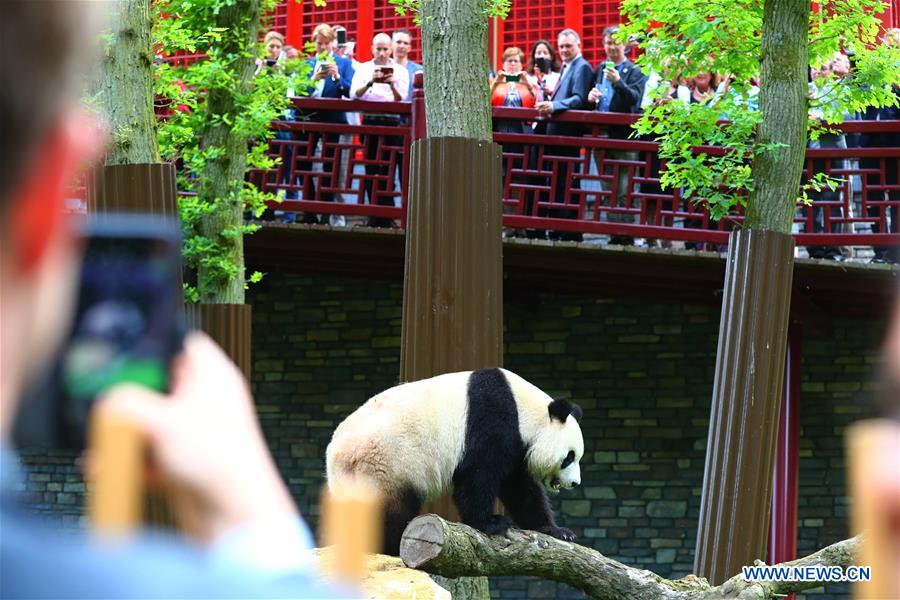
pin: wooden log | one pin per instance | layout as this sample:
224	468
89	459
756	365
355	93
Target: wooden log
455	550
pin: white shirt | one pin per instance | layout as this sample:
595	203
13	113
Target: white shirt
379	92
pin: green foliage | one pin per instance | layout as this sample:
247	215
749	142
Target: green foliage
710	147
186	135
492	8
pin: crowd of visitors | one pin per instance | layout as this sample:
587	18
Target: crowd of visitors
553	79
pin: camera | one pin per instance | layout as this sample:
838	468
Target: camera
543	64
127	327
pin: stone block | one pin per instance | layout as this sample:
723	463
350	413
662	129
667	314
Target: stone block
666	508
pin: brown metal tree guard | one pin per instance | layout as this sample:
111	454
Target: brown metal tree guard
737	481
453	276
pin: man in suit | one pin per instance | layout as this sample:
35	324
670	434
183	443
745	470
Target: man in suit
250	541
619	89
329	77
571	93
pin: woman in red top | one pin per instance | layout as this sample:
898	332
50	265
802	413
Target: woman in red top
512	88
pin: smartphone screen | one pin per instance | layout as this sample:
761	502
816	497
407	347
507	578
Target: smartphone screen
127	325
341	37
511	78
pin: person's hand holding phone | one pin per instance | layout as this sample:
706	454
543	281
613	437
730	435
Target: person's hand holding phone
611	73
331	70
321	72
205	441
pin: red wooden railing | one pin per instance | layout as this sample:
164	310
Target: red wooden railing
591	184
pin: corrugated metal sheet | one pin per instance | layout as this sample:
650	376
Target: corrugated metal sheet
453	282
453	278
737	482
228	325
142	188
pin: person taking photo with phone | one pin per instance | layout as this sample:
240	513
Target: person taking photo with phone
380	80
203	437
543	69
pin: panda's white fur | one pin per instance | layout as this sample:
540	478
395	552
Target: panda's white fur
410	440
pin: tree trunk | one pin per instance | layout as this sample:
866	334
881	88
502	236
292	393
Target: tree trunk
455	550
737	483
126	86
783	102
454	46
224	175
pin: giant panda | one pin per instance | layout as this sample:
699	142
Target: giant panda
490	434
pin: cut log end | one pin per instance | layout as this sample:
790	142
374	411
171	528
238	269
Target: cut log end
422	541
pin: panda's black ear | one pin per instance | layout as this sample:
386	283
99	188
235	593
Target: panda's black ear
561	409
576	412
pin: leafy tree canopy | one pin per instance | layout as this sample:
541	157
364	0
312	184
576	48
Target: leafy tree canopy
682	38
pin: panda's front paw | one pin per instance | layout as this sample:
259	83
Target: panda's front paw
497	525
560	533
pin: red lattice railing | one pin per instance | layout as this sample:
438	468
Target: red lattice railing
592	184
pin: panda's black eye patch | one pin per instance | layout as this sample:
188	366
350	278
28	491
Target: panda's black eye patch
570	458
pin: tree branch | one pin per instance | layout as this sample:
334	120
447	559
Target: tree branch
455	550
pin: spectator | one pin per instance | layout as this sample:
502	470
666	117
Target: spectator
348	51
330	76
703	88
516	94
888	214
380	80
618	86
203	437
827	204
543	69
569	93
402	44
273	43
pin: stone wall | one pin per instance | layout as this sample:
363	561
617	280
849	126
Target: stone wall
642	372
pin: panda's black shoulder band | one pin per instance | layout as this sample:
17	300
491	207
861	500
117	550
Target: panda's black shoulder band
561	409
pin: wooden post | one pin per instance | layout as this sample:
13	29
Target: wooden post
351	522
873	463
116	476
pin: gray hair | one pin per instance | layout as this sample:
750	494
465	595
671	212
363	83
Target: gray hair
39	78
569	32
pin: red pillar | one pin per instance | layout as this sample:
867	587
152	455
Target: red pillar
294	35
574	16
783	524
365	30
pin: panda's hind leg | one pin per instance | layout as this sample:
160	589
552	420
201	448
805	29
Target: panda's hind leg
398	512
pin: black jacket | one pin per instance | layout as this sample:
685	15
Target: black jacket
627	93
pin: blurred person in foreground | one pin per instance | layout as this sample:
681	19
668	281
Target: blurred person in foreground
203	438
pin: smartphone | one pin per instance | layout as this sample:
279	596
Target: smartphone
271	62
385	71
610	64
543	64
341	36
512	78
127	325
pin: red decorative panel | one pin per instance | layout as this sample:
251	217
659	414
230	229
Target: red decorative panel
598	14
335	12
388	21
530	21
276	20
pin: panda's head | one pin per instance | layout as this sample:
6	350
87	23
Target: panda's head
553	456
